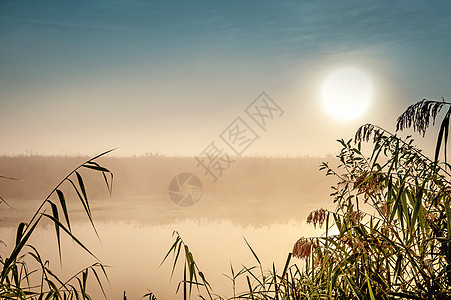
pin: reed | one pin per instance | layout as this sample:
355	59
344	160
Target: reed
389	236
18	280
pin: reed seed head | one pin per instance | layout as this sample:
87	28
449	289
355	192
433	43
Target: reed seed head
317	217
303	248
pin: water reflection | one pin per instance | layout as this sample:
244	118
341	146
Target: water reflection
263	199
134	248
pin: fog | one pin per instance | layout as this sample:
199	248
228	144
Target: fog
266	200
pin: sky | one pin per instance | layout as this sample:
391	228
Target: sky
168	77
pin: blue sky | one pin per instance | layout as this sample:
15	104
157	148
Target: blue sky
168	76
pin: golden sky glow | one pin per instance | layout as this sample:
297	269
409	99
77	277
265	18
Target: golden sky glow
170	77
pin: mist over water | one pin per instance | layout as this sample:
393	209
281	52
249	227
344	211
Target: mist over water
265	200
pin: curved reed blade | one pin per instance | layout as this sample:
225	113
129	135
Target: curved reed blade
252	250
95	166
6	203
150	295
442	136
20	231
14	254
57	229
62	200
70	234
85	206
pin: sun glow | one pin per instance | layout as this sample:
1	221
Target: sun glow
347	93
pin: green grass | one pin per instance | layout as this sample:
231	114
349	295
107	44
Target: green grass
18	280
389	236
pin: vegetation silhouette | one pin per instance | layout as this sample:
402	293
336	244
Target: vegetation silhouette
18	280
389	236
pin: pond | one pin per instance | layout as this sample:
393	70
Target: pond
135	234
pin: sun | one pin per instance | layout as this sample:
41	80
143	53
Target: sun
347	93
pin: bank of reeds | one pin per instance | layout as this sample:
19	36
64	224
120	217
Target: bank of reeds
389	236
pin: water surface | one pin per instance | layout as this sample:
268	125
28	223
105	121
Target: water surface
136	233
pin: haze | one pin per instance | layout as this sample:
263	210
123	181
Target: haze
168	77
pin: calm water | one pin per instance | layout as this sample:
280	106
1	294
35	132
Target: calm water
135	238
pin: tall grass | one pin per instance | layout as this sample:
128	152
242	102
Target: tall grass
18	280
389	236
